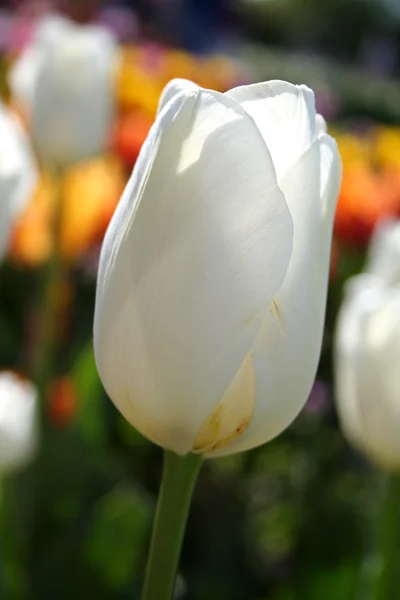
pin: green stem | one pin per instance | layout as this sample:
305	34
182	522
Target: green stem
178	480
13	582
387	584
44	359
52	278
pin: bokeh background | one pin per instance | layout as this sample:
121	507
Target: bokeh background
295	518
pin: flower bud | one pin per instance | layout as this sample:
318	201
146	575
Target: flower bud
18	424
64	82
213	275
17	174
367	353
384	251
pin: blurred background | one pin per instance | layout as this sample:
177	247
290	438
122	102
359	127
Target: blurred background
292	519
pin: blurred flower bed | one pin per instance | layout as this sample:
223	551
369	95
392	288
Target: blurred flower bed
144	71
84	513
371	181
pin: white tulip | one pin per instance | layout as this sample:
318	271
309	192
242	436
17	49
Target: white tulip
367	368
64	80
24	72
18	423
17	173
384	251
213	274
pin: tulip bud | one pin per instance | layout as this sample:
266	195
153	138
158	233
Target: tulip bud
64	81
367	368
17	173
384	251
213	274
18	425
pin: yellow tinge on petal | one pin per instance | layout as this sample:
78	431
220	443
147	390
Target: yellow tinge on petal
276	310
233	413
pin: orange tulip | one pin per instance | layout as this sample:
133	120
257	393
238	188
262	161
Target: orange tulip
62	401
31	242
136	87
364	198
129	134
89	195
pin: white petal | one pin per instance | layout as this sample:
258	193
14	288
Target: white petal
49	28
232	414
72	105
23	74
362	294
22	78
286	352
384	252
173	88
285	115
18	425
321	125
17	173
347	335
188	268
330	181
378	381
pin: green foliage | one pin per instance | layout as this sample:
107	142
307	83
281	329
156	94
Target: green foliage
121	520
282	522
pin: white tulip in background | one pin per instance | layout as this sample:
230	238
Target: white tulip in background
25	71
367	353
18	424
384	251
213	275
17	173
65	83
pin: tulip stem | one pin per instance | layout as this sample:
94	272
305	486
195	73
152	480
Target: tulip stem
178	480
44	359
13	582
387	584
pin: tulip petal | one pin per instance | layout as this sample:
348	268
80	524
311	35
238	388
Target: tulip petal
56	80
286	352
384	251
23	74
363	293
320	125
330	181
173	88
377	375
285	115
17	173
22	77
18	422
197	249
233	413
